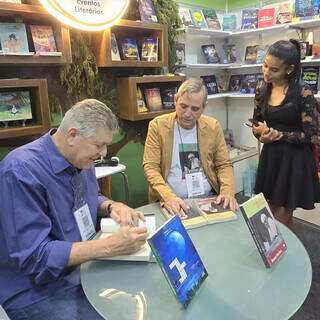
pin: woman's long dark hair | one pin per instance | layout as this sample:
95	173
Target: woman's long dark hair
289	52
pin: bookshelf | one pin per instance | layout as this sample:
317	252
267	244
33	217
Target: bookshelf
40	122
36	14
127	93
101	43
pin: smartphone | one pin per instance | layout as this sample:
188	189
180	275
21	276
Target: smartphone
250	123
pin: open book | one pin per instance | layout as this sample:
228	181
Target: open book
263	228
202	211
178	259
109	226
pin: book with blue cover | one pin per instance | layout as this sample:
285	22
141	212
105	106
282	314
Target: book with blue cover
210	83
130	49
178	259
147	11
229	22
304	9
249	19
13	38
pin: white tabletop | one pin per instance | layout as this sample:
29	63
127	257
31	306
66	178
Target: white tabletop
108	171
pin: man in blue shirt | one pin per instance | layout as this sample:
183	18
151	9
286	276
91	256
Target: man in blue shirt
49	205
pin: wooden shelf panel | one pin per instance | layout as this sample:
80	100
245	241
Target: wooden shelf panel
127	92
40	107
101	43
24	10
37	15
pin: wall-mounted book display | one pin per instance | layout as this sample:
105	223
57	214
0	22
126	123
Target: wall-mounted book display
132	44
36	39
146	97
24	107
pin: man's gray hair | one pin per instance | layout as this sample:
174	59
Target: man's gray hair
87	116
193	85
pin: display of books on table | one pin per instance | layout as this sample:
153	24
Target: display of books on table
203	211
264	230
178	260
109	226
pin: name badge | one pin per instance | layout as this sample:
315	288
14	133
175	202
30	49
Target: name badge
195	184
84	222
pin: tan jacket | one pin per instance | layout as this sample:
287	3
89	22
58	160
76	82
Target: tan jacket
213	154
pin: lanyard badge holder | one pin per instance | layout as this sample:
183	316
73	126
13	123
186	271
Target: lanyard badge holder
81	210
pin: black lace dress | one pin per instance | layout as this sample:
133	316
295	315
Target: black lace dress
287	172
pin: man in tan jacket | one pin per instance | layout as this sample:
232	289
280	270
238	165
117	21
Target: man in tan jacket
185	154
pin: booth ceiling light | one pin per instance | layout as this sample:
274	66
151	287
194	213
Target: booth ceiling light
88	15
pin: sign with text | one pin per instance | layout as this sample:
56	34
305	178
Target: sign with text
90	15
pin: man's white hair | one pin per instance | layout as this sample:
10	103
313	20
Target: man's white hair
87	116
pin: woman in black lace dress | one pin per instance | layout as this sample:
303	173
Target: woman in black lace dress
284	121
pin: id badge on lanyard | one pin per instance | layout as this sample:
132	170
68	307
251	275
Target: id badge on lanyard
195	184
81	209
84	222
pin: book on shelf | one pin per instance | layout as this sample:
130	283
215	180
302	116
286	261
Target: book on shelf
284	12
259	80
264	230
149	51
43	38
261	53
13	37
210	52
178	259
315	51
141	105
235	83
15	105
310	76
248	83
198	19
185	17
230	53
210	82
266	17
167	96
153	99
109	226
147	11
304	46
251	54
249	19
203	211
221	80
130	49
180	53
229	22
115	54
211	18
304	9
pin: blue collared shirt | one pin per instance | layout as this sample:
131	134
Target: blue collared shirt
37	225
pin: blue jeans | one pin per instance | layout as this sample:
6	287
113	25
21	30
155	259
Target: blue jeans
71	304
